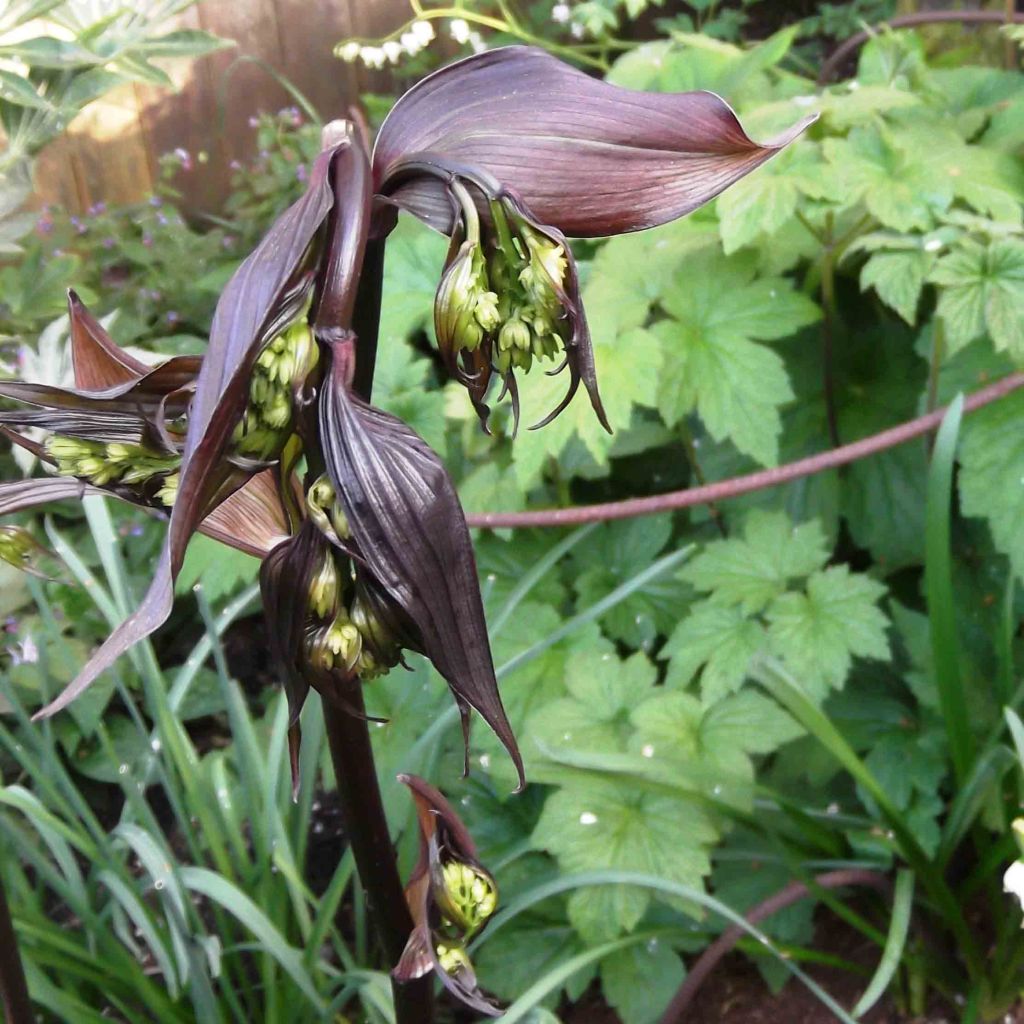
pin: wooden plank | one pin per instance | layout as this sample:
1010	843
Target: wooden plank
113	150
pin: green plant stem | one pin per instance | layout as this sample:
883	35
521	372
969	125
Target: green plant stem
13	988
690	447
828	320
934	366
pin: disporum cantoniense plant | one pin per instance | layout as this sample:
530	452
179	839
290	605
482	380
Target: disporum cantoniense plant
368	555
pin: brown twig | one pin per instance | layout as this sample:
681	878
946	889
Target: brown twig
758	481
792	893
854	43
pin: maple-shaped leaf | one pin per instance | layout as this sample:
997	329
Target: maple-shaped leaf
606	823
897	278
712	359
982	289
639	981
717	638
898	185
766	202
819	631
751	570
594	718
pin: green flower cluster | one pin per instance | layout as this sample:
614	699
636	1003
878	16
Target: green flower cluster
468	897
105	463
350	637
267	421
509	301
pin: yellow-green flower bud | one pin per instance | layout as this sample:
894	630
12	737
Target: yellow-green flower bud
324	588
486	310
514	334
169	489
17	546
453	958
468	897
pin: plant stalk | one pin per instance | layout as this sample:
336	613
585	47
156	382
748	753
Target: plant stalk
348	734
366	827
722	490
13	988
828	303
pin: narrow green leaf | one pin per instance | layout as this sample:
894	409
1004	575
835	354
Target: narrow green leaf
211	885
939	589
896	940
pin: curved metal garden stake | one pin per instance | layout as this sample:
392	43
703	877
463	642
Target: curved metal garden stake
13	988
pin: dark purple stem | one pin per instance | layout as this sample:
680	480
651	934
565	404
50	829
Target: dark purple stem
13	989
342	304
738	485
854	43
724	944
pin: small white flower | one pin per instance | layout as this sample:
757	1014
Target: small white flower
576	30
410	44
933	245
1013	880
459	29
560	13
476	41
423	31
392	50
373	56
350	52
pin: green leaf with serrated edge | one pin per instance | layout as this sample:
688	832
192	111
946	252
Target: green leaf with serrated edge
490	488
712	362
602	823
819	631
899	188
884	502
757	205
595	717
669	740
982	289
991	480
720	639
747	721
897	278
752	570
628	366
640	981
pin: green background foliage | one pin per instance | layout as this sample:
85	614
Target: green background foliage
635	658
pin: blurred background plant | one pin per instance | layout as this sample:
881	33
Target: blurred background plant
810	684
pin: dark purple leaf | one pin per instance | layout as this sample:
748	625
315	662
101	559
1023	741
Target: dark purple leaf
409	533
266	292
98	360
587	157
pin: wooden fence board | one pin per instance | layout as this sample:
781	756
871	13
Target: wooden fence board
111	151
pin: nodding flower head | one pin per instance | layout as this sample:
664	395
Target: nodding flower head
451	897
510	150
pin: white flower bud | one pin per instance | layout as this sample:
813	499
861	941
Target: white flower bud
459	29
